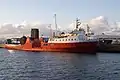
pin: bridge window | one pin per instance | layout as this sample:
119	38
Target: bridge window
66	39
60	40
69	39
63	39
72	39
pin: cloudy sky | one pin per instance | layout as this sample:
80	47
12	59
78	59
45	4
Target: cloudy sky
18	16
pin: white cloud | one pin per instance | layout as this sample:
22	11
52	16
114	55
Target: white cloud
18	30
9	30
98	25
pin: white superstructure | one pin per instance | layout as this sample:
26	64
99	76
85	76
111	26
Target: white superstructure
78	35
73	37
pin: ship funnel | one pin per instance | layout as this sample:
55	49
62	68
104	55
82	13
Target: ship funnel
35	33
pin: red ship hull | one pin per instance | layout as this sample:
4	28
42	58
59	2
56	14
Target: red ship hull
81	47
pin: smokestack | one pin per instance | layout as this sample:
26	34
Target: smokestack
35	33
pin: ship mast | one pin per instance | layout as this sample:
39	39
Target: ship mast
88	29
78	23
55	24
50	29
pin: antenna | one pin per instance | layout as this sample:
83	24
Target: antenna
55	23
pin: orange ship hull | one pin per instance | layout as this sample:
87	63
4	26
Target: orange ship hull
81	47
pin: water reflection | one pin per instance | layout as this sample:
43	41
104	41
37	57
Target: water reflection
11	51
61	66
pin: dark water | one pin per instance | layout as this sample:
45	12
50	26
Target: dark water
20	65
